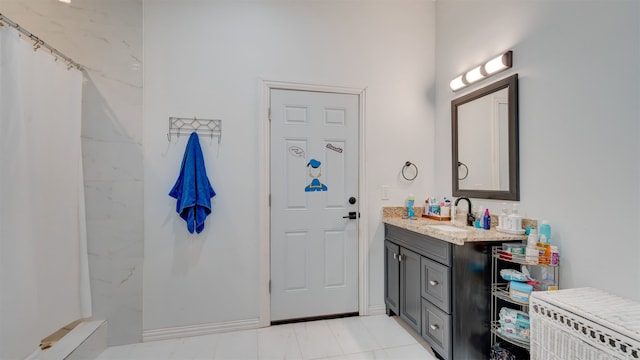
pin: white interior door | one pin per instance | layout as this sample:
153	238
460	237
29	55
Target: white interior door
314	175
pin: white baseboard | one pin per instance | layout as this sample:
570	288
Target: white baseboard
198	330
377	310
85	341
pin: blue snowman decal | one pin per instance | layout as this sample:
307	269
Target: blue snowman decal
315	173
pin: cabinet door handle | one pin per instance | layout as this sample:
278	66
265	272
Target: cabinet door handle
395	256
400	257
433	282
434	327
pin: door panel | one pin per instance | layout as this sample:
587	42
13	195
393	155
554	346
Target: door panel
410	297
314	171
295	261
334	268
295	199
392	281
334	172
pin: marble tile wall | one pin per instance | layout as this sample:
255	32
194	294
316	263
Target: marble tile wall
106	38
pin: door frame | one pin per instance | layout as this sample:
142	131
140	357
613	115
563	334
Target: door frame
264	147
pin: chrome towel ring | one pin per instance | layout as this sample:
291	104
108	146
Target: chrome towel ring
466	173
407	165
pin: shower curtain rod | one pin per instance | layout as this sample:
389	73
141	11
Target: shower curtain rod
39	43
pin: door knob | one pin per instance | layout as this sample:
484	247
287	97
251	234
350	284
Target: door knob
352	215
433	282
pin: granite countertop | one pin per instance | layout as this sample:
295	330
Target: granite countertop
394	216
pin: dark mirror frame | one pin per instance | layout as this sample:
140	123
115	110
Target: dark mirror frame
511	83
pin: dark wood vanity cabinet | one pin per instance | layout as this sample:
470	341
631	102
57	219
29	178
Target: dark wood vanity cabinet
402	284
441	290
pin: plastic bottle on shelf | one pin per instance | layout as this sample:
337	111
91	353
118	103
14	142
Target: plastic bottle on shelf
545	232
544	253
531	251
532	239
555	256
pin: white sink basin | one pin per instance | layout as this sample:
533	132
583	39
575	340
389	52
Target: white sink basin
447	228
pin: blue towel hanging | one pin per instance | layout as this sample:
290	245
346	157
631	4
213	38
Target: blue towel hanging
193	190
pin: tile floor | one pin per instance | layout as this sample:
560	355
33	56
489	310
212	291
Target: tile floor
369	337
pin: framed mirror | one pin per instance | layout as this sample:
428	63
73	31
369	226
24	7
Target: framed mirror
484	137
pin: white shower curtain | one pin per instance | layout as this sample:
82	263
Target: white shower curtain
44	279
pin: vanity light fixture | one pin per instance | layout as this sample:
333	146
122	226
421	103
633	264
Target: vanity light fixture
493	66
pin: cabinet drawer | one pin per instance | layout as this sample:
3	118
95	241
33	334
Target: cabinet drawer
436	284
436	329
433	248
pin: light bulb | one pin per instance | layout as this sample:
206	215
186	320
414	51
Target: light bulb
474	75
494	65
457	83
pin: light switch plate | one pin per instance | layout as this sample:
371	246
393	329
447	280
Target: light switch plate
384	192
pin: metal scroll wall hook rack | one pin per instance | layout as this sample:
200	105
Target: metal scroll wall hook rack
185	126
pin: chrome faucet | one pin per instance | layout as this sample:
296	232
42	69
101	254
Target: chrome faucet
470	217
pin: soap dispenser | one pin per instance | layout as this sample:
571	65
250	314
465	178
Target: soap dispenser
453	213
502	218
515	220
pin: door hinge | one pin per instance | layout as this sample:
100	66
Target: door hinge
269	200
269	286
269	114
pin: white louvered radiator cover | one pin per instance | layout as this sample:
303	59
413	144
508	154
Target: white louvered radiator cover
583	324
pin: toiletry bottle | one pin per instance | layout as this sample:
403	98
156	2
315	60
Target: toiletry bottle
486	220
555	256
544	253
545	232
426	206
515	220
445	210
502	218
410	206
433	206
453	213
531	252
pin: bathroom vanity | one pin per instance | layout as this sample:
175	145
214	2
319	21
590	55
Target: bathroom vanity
438	279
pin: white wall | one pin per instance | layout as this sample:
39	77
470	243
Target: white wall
206	59
579	122
106	38
579	134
